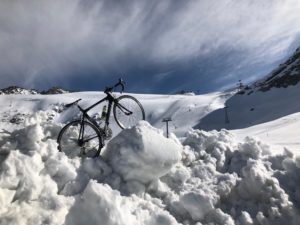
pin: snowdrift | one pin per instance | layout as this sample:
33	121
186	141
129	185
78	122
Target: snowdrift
145	178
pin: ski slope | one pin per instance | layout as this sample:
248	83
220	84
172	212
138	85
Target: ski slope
270	116
185	111
142	177
282	133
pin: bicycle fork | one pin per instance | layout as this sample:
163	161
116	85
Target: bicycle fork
80	137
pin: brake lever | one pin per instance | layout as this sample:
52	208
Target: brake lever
122	83
72	103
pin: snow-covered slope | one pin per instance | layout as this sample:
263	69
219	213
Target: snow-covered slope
259	107
184	110
281	133
285	75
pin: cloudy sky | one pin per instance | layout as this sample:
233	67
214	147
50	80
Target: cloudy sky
157	46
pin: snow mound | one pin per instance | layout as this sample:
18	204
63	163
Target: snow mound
145	178
142	153
99	204
237	183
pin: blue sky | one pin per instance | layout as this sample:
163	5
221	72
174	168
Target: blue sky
156	46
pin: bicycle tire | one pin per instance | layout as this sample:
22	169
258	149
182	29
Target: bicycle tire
71	146
132	104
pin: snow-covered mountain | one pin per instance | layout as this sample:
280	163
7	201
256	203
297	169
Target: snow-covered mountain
23	91
285	75
54	91
17	90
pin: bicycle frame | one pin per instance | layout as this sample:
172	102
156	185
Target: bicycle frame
108	98
111	100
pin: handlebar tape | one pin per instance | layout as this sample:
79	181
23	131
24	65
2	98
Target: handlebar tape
72	103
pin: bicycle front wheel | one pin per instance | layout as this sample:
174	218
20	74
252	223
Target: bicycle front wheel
80	138
128	111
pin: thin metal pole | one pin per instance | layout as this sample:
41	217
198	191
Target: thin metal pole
167	120
226	115
167	123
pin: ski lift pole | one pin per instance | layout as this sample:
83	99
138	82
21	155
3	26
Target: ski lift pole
226	114
167	120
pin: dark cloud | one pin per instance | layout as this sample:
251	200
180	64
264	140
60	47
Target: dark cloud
157	46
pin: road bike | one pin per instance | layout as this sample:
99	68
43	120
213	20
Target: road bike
85	137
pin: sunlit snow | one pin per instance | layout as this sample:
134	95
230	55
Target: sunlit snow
142	177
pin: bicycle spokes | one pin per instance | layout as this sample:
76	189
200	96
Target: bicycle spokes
128	111
124	110
76	140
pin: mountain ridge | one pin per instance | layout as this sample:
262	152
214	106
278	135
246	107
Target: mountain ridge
285	75
23	91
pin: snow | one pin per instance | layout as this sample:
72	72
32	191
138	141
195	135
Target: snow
281	133
194	177
272	116
142	153
100	204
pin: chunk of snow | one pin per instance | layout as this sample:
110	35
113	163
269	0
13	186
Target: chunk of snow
197	204
142	153
99	204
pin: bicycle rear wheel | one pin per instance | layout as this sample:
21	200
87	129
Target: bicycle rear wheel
128	111
88	145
